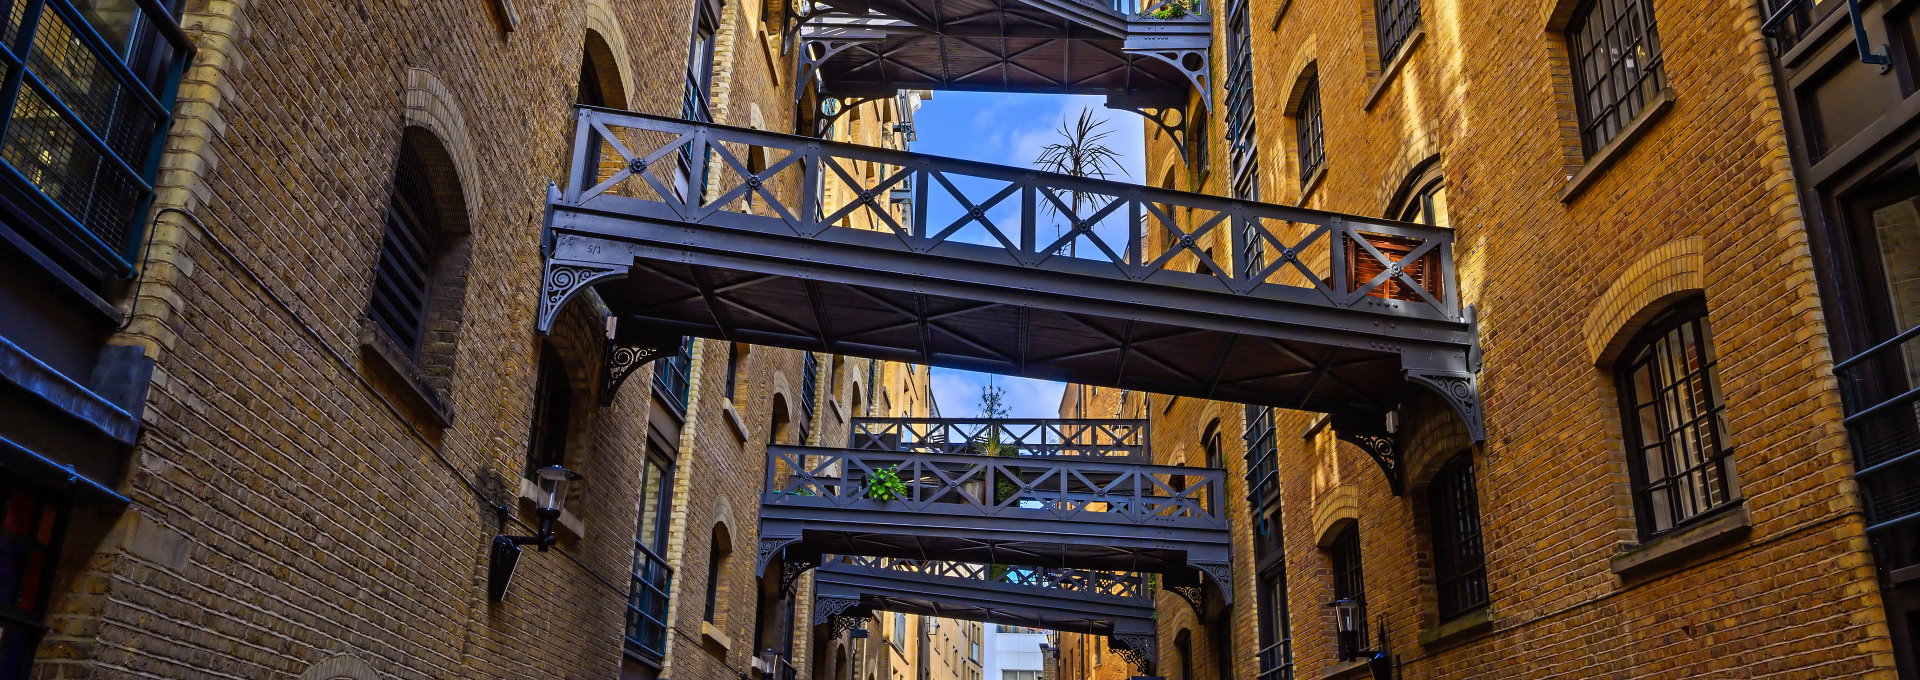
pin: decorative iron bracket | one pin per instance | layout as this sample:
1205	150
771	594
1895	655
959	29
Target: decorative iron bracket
799	20
1141	650
1190	61
1461	390
1195	597
823	120
1170	119
770	546
562	281
792	568
809	63
625	357
1221	575
833	610
1369	432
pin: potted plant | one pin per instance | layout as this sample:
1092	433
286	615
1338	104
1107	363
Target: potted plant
885	485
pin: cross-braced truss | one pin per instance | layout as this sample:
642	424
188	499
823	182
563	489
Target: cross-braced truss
1107	439
801	243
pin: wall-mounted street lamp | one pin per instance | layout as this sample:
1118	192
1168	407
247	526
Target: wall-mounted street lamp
505	554
1347	625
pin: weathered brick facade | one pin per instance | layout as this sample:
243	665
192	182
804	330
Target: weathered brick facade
1564	255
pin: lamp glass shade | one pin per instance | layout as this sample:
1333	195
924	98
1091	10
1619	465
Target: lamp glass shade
1347	609
553	486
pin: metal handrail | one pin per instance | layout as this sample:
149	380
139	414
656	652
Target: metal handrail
1304	252
1088	584
1024	437
1067	489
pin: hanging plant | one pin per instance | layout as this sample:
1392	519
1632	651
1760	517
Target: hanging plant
885	485
1174	9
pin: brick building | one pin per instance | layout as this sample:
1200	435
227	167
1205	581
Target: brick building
1626	187
265	419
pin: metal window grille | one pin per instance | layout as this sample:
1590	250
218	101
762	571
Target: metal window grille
547	444
1263	454
404	273
84	111
31	526
1241	151
1309	144
651	580
1350	584
1616	65
1670	400
1394	21
673	376
1276	629
1460	565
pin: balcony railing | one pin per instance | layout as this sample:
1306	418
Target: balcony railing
1062	488
1019	217
84	112
1109	439
1090	585
1276	661
1881	388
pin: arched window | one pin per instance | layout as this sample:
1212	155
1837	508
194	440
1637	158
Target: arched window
1214	446
1183	648
719	554
1349	583
1459	557
552	406
780	429
1423	198
1669	388
403	278
1309	140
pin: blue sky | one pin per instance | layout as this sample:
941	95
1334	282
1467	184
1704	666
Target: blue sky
1011	129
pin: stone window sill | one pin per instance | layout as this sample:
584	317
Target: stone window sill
738	426
530	494
715	641
1312	182
1356	668
427	399
1393	68
1598	163
1458	629
1685	545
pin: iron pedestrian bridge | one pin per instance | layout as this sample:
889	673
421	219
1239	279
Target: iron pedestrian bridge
687	228
1119	606
1055	512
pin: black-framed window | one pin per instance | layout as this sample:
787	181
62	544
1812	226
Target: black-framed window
1617	65
552	406
809	391
82	126
733	369
1669	388
1263	458
1459	556
1349	583
651	578
1309	142
1276	629
1393	23
720	550
1202	145
700	58
673	376
1242	151
403	276
32	524
1425	201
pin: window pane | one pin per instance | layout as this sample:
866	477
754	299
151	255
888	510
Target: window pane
1617	65
1682	469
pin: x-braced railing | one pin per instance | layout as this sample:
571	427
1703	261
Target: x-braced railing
1066	489
667	169
1084	583
1108	438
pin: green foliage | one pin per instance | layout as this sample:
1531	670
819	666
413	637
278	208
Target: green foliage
886	485
1174	9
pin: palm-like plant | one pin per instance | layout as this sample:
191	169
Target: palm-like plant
1081	152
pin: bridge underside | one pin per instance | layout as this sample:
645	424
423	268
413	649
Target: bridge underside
807	533
1172	349
1034	55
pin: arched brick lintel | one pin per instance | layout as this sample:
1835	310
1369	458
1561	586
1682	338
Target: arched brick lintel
340	668
1643	289
431	105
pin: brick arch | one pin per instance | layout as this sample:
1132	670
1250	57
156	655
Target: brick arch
1643	289
340	668
1334	511
431	106
1430	437
1417	159
606	45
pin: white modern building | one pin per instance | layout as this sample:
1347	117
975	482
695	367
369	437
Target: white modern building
1013	653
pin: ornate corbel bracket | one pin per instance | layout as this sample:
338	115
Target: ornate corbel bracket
1171	120
769	547
628	356
823	119
792	568
811	59
1190	61
1142	650
832	610
1369	432
562	281
1195	597
1221	575
1461	390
